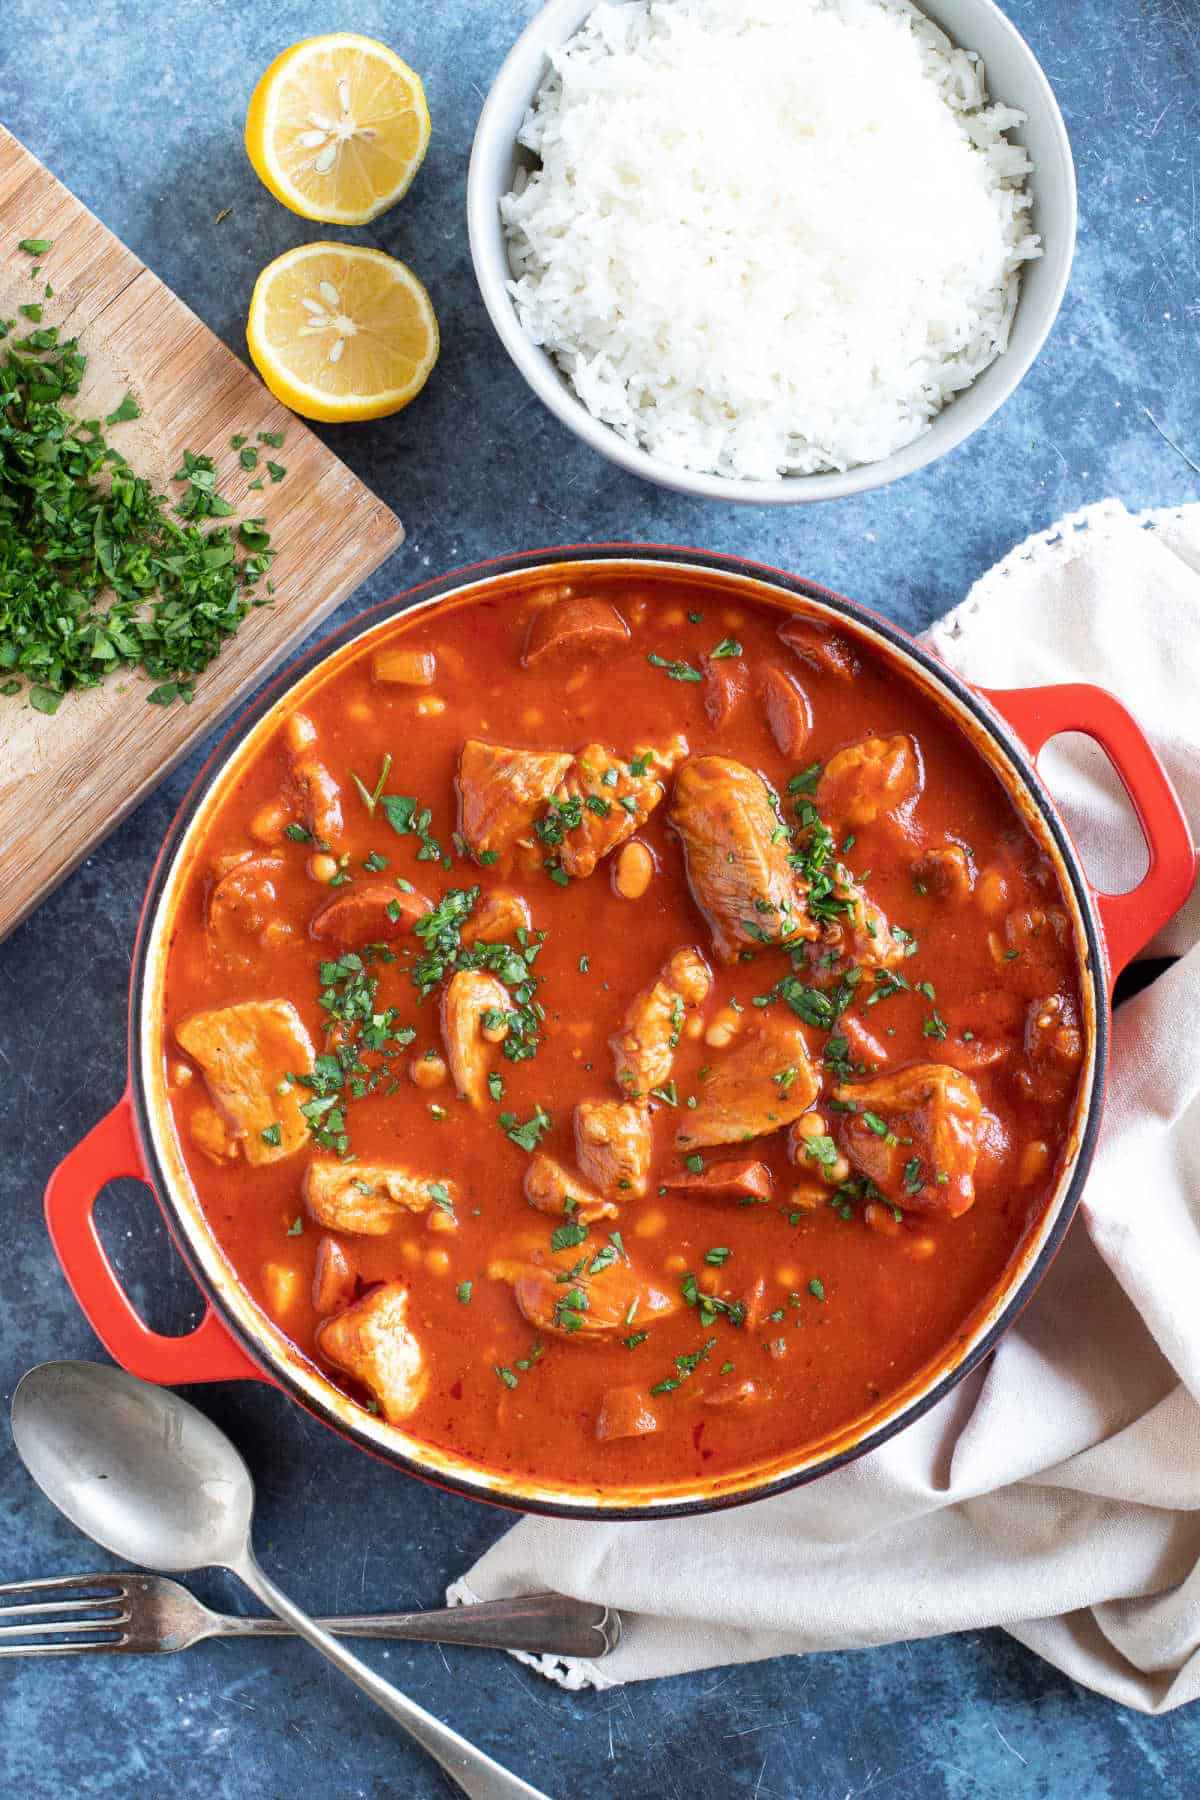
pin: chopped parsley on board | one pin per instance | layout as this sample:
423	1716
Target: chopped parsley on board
98	572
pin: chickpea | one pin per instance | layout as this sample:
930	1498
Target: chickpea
634	870
427	1071
532	717
838	1170
453	659
578	680
693	1026
706	1281
440	1222
1035	1159
429	706
787	1278
810	1125
651	1224
733	617
274	933
495	1034
437	1262
322	867
268	823
806	1199
919	1246
182	1075
360	712
724	1028
675	1264
673	618
882	1219
411	1251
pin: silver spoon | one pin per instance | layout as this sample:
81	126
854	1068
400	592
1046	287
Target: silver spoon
145	1475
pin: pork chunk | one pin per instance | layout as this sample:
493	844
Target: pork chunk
613	1142
867	781
372	1342
624	1412
244	1052
474	1018
501	792
644	1048
548	1187
318	797
369	1198
736	853
615	1301
612	799
761	1083
497	919
924	1158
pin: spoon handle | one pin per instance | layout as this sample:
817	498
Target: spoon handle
475	1772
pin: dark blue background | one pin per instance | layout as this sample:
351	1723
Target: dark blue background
139	107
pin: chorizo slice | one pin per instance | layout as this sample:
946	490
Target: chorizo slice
372	1341
725	687
371	914
577	626
244	903
731	1178
367	1199
246	1053
787	710
820	648
334	1278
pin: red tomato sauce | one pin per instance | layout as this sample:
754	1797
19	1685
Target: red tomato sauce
785	1316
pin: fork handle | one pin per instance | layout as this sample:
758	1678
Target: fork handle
542	1624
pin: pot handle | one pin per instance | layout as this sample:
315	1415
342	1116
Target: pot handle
1129	920
109	1150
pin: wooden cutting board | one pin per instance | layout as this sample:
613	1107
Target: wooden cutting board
68	779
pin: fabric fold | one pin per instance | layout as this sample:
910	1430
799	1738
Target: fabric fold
1056	1491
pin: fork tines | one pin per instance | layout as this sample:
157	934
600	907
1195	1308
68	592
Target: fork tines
52	1619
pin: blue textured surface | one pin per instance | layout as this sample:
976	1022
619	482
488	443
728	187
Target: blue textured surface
138	107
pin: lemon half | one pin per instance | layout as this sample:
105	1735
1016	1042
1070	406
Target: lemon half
337	128
340	332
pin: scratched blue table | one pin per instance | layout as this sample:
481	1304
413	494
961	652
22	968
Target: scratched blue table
138	107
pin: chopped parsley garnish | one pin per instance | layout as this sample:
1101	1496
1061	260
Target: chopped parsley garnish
370	796
363	1042
528	1136
806	781
677	671
296	1227
668	1094
816	1288
439	1193
695	1163
464	1293
271	1134
685	1366
405	814
935	1027
726	647
506	1375
567	1237
718	1256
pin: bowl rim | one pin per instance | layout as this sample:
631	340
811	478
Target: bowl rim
550	385
292	1372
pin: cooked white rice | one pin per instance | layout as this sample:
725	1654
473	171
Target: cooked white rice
768	236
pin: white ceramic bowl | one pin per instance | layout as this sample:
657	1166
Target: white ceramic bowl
1014	76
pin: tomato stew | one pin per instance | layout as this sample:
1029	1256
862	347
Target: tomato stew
618	1031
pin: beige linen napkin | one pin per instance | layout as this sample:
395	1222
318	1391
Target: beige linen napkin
1056	1491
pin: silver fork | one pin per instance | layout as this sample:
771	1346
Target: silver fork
138	1615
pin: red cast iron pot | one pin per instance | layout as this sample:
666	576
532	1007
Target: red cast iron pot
236	1341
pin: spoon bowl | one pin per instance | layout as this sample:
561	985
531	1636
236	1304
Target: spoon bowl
147	1476
134	1467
